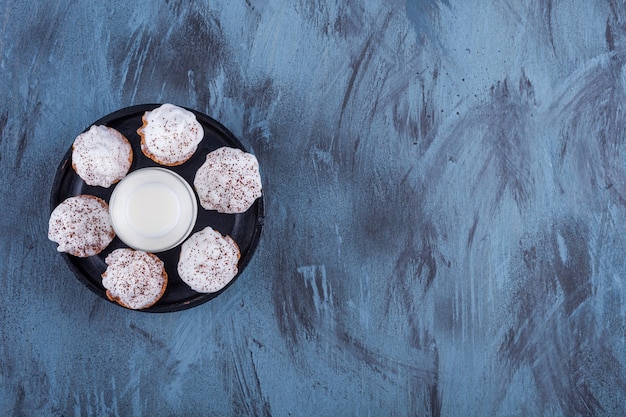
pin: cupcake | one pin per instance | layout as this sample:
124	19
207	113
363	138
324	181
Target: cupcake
101	156
208	261
228	181
81	226
170	134
134	279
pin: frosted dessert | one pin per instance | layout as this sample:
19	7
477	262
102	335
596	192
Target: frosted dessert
101	156
229	181
134	279
170	134
208	261
81	226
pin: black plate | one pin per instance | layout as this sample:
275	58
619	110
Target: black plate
244	228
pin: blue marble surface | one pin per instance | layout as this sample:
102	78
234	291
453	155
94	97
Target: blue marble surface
445	185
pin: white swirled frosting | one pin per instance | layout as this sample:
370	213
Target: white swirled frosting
101	156
170	134
81	225
134	278
228	181
208	261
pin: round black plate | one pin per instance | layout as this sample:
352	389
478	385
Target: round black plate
244	228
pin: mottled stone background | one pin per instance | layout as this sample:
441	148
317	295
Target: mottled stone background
445	185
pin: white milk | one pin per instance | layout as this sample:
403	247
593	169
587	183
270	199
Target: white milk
153	209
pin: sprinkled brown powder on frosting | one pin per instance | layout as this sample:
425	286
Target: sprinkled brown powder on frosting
229	181
134	279
81	226
101	156
170	134
208	261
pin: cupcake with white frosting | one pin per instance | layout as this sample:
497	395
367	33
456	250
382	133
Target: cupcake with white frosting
81	226
170	134
101	156
208	261
134	279
229	181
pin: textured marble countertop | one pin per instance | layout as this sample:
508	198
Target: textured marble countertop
445	189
